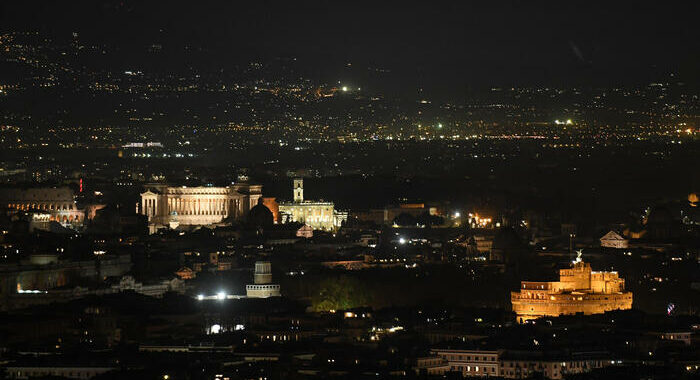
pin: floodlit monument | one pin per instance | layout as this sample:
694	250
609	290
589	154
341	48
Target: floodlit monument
262	286
613	240
54	204
317	214
579	290
182	206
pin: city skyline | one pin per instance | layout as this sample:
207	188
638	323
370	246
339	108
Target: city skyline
311	190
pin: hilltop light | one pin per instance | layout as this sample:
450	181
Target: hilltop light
345	88
221	296
200	297
569	122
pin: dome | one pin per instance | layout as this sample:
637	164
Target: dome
260	215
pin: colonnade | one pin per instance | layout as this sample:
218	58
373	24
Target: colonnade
191	206
42	206
201	206
64	212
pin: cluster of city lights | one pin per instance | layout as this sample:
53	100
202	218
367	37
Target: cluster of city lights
477	221
377	332
219	296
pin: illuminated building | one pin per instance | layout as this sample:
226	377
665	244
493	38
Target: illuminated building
431	366
262	286
510	364
471	362
69	372
685	337
613	240
173	207
317	214
579	290
186	273
54	204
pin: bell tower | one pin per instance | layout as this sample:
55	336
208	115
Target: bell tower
298	190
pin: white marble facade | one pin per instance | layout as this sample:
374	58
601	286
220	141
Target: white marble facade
182	206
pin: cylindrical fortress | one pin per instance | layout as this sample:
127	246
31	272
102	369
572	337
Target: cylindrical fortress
263	272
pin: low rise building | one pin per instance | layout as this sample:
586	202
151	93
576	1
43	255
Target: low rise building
471	362
29	372
511	364
431	366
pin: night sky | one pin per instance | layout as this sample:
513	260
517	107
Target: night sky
438	44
